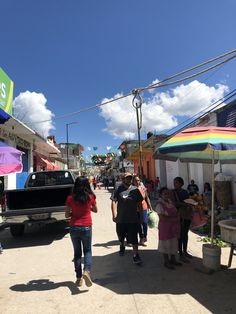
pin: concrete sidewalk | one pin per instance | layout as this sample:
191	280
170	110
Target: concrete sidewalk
119	285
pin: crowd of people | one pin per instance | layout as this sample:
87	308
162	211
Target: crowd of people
130	206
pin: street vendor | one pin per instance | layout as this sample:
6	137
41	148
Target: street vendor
178	196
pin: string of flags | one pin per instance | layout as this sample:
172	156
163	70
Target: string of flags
121	147
102	160
95	148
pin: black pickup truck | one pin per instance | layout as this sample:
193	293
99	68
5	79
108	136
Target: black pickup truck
41	201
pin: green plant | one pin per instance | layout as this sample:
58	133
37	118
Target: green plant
216	241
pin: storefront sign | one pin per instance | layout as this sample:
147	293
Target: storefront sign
6	92
4	134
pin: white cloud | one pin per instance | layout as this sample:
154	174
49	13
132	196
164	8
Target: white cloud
161	110
120	118
30	108
187	100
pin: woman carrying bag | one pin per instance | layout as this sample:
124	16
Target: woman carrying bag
146	205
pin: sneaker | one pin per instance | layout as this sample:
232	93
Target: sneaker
79	282
122	250
87	278
137	259
186	254
142	242
184	259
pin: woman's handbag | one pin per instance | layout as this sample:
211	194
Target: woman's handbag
152	219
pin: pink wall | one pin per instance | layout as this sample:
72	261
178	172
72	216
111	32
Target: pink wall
147	159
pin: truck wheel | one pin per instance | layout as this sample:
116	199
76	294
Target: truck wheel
17	230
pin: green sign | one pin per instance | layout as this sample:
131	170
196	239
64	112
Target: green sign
6	92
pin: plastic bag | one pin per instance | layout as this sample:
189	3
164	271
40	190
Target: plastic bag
152	219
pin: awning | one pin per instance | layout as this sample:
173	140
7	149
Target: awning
44	162
10	159
49	165
4	116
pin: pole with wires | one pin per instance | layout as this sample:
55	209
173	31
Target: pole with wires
137	104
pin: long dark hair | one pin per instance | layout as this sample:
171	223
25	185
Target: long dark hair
164	188
207	185
82	190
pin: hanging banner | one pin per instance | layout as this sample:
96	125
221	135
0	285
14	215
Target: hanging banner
6	92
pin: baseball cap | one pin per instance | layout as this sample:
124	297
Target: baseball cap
128	174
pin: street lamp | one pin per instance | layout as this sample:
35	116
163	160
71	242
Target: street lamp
67	142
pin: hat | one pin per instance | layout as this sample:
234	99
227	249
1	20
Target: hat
190	201
128	174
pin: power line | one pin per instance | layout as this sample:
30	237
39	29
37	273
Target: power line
221	100
157	85
188	77
87	109
189	69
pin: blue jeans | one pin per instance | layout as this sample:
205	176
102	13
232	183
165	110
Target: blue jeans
143	228
81	237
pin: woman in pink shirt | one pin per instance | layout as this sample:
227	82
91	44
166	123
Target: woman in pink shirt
78	208
169	229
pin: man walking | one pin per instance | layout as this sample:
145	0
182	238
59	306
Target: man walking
126	206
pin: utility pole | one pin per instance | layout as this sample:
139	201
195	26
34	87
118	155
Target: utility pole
67	146
137	104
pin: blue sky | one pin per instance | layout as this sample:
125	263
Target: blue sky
64	56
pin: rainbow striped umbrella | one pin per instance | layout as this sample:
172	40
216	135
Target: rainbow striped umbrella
208	144
198	144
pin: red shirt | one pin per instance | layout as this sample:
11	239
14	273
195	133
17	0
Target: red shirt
81	214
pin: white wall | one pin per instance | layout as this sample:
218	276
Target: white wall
160	168
196	174
230	170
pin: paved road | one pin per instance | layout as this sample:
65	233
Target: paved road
36	275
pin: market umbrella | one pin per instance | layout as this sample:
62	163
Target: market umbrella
208	144
10	159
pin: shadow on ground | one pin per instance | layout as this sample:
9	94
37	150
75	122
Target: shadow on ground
108	244
34	236
46	284
216	291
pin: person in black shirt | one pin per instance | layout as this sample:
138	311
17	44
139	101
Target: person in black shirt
192	188
126	206
185	212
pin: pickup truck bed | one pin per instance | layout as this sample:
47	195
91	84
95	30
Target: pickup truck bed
34	203
29	203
